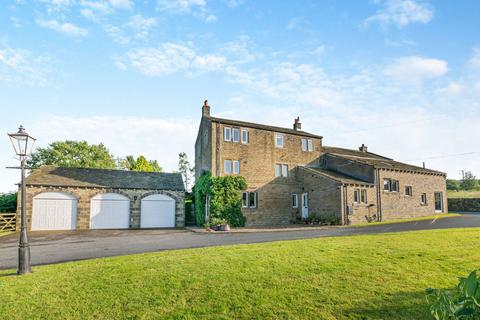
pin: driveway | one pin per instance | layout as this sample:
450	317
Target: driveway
55	247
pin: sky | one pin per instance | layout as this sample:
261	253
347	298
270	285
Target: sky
401	76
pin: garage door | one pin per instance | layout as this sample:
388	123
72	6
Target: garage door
54	211
157	211
109	211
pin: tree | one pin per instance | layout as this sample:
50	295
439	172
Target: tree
185	169
8	202
74	154
140	164
453	184
469	182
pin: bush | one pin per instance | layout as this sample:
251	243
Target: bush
453	184
462	302
225	198
8	202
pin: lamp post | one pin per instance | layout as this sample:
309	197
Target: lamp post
23	143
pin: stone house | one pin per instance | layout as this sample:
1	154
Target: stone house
291	175
60	198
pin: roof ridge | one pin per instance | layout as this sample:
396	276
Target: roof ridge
107	169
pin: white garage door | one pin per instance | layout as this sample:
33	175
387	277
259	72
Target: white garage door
109	211
158	211
54	211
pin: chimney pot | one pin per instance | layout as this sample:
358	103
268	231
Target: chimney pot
205	109
363	148
297	125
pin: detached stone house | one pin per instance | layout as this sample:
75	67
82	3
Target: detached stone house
291	175
78	198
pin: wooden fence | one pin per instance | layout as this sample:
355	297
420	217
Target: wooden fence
7	221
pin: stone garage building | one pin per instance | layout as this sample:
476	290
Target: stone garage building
61	198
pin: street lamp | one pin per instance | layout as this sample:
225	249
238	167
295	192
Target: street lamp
23	144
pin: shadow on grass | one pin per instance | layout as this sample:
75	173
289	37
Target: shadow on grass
401	305
8	274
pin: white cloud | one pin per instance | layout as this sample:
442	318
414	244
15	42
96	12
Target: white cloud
475	59
20	65
319	51
181	5
117	34
415	70
65	28
402	13
170	58
294	23
453	88
141	25
210	18
121	4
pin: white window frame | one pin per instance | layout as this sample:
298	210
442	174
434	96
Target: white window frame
254	194
245	199
389	183
277	136
411	191
227	169
236	167
304	144
423	202
394	182
295	200
284	170
237	131
244	138
227	137
309	145
278	170
363	199
356	196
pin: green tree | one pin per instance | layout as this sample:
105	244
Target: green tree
469	182
74	154
453	184
225	198
186	169
8	202
140	164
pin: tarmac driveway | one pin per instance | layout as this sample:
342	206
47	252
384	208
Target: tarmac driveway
62	246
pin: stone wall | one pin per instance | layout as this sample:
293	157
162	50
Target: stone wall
257	164
203	148
397	205
324	195
84	195
360	212
464	204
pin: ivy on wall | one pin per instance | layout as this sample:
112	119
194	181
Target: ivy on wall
225	198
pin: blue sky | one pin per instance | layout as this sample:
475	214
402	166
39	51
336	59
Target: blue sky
403	77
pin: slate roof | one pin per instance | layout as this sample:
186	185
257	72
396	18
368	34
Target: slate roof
336	176
376	160
104	178
264	127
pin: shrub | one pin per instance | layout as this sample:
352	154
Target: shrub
8	202
225	198
462	302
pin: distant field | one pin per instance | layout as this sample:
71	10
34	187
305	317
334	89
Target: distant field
463	194
380	276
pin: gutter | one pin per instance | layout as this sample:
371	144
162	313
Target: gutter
379	196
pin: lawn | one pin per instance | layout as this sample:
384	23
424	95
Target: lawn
432	217
359	277
463	194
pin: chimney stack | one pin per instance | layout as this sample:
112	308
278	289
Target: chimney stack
363	148
297	125
205	109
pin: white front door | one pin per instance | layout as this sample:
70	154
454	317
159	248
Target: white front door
304	205
109	211
157	211
54	211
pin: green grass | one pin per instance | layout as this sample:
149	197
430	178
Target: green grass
463	194
432	217
358	277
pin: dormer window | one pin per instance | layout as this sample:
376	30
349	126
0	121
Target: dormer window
279	140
